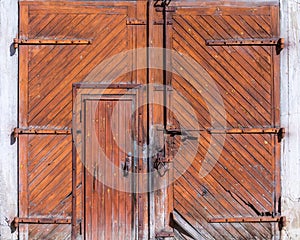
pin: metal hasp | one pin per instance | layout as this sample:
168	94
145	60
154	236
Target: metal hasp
18	42
160	161
126	165
278	42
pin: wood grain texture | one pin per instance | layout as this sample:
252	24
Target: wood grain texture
244	181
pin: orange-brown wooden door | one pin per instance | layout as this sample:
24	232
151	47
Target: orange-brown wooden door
230	76
60	43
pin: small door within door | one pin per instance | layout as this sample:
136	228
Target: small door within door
109	199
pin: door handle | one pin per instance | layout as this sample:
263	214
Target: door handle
126	165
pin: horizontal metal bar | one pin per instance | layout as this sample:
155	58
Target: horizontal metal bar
234	42
164	234
168	9
103	86
229	130
132	21
245	131
18	42
18	131
161	22
246	220
18	221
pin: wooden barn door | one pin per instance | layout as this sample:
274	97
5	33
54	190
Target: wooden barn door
224	66
61	43
232	188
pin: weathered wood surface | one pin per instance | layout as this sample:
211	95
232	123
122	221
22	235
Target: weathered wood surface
46	76
245	179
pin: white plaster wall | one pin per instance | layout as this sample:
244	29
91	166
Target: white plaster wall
290	117
8	117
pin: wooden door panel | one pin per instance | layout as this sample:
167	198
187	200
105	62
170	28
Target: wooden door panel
53	68
47	72
46	185
243	181
109	212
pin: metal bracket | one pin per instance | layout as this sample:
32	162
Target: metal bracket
134	21
281	220
164	234
18	221
18	42
280	132
159	22
159	163
126	165
278	42
19	131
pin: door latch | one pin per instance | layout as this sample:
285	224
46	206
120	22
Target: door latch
126	165
160	163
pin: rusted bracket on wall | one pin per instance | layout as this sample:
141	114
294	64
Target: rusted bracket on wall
278	42
280	132
18	42
18	221
281	220
18	131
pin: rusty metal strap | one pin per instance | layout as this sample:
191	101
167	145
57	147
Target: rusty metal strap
18	131
280	132
18	42
245	220
246	131
18	221
278	42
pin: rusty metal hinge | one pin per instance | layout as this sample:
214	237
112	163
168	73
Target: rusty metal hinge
134	21
163	234
18	131
18	42
18	221
280	132
281	220
278	42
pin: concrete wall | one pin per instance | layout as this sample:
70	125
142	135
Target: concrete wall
290	116
8	116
